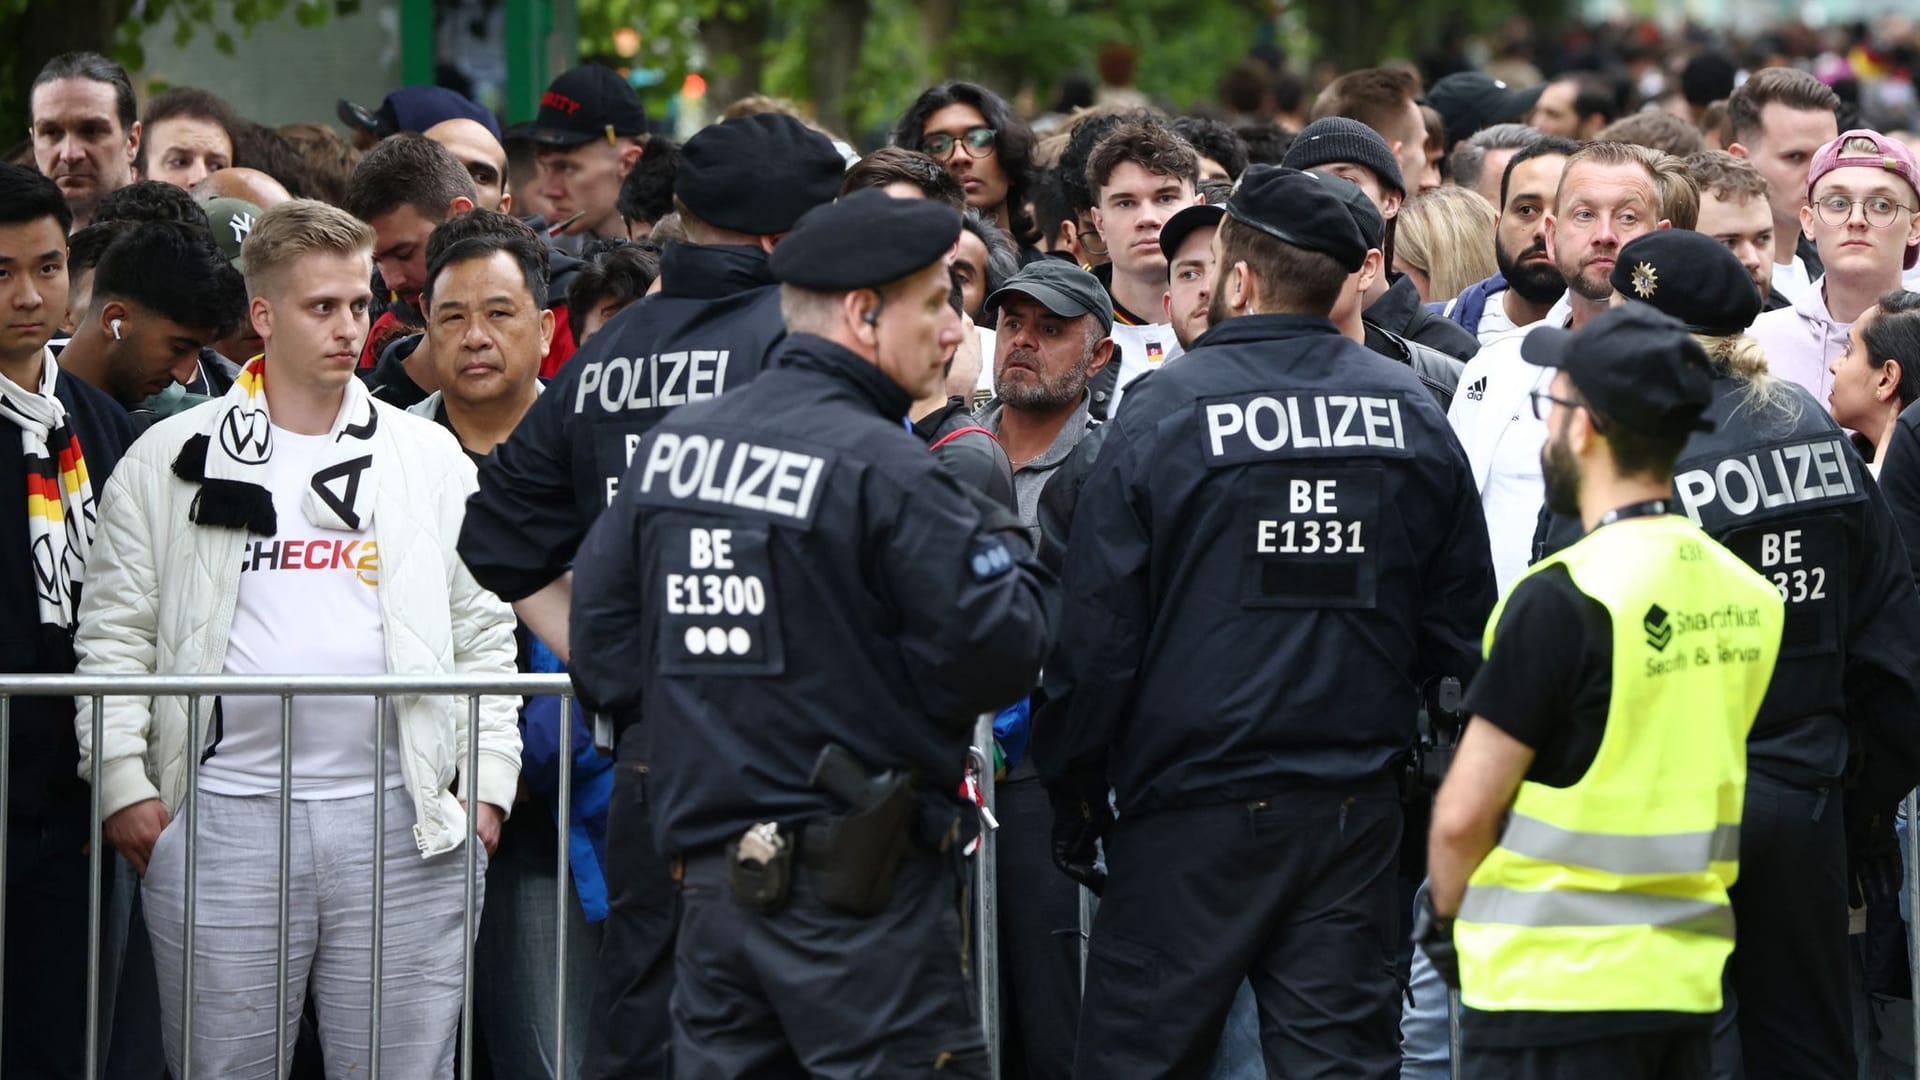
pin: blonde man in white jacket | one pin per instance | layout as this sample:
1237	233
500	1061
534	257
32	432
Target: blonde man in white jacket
298	526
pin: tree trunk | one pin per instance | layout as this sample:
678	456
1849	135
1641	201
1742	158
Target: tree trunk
741	42
833	56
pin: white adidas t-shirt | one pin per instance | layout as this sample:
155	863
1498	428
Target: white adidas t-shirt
307	606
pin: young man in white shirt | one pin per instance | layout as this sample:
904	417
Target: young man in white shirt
298	526
1140	176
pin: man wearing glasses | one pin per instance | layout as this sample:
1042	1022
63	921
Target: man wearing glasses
1860	213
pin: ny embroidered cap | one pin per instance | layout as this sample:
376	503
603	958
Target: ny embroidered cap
585	103
757	174
1469	101
416	108
864	241
233	221
1337	140
1891	155
1306	210
1065	289
1690	276
1635	366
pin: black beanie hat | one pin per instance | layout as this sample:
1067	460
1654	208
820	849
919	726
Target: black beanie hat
1336	138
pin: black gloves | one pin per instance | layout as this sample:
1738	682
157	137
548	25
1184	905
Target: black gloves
1433	933
1078	825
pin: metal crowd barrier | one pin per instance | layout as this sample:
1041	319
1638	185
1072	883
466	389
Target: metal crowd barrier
383	688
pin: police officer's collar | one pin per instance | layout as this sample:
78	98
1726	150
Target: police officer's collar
808	352
1246	328
711	271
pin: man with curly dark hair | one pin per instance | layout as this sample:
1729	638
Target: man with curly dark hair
984	144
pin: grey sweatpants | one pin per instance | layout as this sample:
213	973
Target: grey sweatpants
330	938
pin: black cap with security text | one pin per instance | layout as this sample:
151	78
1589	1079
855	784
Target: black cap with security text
1301	209
1635	366
864	241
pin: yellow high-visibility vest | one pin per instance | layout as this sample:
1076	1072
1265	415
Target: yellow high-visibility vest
1611	894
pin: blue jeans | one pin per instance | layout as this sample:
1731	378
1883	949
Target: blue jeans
1426	1047
514	977
1239	1057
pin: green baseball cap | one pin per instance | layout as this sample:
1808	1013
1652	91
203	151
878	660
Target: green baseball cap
232	221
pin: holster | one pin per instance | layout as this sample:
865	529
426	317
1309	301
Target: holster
761	886
853	857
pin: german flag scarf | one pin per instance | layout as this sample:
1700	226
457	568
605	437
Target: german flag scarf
60	504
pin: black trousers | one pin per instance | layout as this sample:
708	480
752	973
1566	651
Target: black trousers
630	1031
1681	1054
1296	892
1787	1011
1039	938
810	992
46	968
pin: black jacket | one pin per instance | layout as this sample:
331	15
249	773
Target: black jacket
1399	311
42	775
1787	493
709	329
1279	545
789	567
1439	372
388	380
969	451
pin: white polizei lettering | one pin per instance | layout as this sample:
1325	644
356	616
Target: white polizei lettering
1804	473
1399	436
589	378
700	368
633	444
1736	467
684	481
1380	423
1320	411
1348	406
709	490
1770	499
1222	421
752	494
1301	439
1279	437
788	480
1696	491
733	472
1831	474
804	501
659	459
667	394
1803	462
611	398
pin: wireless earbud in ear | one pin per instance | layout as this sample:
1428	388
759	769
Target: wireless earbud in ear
872	318
115	327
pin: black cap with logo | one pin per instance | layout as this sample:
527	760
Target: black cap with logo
586	103
1303	209
1469	101
1635	366
1690	276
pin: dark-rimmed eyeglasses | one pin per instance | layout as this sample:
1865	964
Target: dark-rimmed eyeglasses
976	141
1880	210
1544	401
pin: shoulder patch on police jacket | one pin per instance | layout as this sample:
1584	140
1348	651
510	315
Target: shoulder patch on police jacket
1290	424
728	474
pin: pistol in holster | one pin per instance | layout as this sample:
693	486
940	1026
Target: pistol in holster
852	857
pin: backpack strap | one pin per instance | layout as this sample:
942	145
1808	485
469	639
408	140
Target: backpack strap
952	435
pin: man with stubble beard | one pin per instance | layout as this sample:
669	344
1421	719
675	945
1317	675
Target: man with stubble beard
1528	285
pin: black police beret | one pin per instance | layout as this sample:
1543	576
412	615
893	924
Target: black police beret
757	174
1365	214
1690	276
1305	210
865	240
1635	366
1336	139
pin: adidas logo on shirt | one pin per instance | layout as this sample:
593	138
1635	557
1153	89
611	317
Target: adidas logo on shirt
1477	389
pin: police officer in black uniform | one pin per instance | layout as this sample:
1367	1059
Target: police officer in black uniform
1278	549
1778	483
814	612
740	185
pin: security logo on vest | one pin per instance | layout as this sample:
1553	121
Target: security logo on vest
1659	629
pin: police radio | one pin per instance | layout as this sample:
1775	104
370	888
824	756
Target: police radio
1440	725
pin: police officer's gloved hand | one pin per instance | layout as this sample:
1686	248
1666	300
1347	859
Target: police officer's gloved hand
1078	825
1433	933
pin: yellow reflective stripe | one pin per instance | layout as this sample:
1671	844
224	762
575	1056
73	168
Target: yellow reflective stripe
1614	853
1494	904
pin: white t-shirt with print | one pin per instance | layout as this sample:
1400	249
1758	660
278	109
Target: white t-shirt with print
308	605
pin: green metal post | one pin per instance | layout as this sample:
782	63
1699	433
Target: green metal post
542	40
417	46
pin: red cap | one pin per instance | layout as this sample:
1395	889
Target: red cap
1889	154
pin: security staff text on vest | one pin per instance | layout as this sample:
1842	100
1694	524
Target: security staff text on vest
621	384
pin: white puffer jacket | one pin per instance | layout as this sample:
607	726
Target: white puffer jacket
161	593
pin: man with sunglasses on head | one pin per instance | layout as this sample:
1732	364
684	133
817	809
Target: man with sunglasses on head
985	145
1863	191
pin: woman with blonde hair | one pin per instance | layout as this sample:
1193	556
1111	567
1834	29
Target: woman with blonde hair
1444	241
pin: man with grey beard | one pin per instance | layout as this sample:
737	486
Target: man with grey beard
1052	336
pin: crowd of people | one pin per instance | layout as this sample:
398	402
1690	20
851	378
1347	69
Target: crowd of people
1563	441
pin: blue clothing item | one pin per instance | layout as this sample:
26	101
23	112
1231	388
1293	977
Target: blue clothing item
592	782
1012	727
1241	1056
1472	302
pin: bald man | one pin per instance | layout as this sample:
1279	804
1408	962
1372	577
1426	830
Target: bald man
248	185
482	154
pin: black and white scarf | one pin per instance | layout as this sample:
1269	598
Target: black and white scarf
228	461
60	503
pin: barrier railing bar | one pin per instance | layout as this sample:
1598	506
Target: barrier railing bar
470	788
1913	912
987	860
563	890
6	806
95	841
379	881
282	945
196	747
283	685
